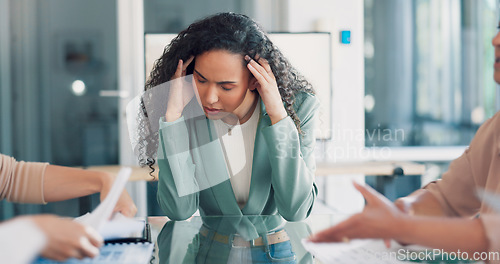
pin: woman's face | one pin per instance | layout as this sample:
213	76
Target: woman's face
496	45
224	84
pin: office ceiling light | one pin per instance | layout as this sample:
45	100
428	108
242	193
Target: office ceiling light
369	103
369	49
78	87
477	116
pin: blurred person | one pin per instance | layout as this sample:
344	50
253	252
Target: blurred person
446	214
249	148
23	238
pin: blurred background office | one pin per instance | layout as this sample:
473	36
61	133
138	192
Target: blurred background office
413	83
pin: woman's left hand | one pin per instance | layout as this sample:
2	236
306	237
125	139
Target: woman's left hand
268	88
379	219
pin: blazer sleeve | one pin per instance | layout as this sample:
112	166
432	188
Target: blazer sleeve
292	161
21	181
178	194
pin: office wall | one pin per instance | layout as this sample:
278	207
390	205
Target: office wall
47	121
170	16
348	91
5	80
80	126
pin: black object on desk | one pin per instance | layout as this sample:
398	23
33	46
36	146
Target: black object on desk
142	237
396	185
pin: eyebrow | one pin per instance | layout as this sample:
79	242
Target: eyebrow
223	82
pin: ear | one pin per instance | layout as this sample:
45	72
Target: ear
253	84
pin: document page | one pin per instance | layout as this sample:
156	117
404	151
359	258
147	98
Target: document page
102	219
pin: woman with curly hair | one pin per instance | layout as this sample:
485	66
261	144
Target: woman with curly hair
250	149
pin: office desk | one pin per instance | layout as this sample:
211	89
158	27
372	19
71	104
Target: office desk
393	179
138	173
375	168
206	240
379	168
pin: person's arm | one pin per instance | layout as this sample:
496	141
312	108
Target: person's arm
449	234
381	219
178	192
421	202
34	182
455	193
293	163
63	183
67	238
291	154
52	237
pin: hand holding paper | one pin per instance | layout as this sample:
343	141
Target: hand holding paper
102	218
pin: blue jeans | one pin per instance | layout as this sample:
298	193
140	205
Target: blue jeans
205	250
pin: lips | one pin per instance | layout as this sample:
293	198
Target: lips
211	111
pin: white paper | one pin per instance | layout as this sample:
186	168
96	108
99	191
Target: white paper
356	251
121	226
101	218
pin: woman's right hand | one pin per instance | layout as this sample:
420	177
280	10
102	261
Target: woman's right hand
181	92
379	219
67	238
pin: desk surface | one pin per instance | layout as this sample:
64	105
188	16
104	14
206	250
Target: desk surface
322	169
138	173
371	168
205	240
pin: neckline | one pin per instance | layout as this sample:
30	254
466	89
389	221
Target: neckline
250	112
252	116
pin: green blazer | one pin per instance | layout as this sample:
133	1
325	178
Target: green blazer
193	173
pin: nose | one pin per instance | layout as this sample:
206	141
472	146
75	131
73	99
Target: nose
496	40
211	96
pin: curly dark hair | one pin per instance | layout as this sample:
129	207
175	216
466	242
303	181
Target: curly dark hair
237	34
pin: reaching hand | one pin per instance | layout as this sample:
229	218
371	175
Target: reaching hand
181	92
268	88
125	204
67	238
379	219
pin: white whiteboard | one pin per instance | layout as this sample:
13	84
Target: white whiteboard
309	53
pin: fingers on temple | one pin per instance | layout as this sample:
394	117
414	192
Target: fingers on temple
256	73
257	68
186	64
178	71
266	65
